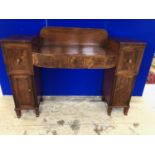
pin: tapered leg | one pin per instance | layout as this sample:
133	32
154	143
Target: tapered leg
37	112
18	113
41	99
109	110
103	99
125	110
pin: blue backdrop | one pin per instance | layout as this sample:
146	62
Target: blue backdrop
82	81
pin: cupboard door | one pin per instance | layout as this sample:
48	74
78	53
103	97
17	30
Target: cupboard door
129	60
123	87
18	58
23	91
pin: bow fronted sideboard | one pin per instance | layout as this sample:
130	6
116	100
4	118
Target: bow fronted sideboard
71	48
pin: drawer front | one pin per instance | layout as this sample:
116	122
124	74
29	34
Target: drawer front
123	91
75	61
50	61
18	58
130	59
23	90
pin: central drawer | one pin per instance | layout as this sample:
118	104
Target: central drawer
72	61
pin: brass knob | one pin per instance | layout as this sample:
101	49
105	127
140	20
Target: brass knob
130	61
18	60
29	90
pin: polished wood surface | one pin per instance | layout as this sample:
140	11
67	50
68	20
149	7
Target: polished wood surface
74	57
130	58
73	36
18	58
71	48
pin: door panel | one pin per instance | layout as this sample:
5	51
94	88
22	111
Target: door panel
122	90
23	90
18	58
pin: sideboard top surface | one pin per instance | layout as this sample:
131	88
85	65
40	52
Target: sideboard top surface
61	47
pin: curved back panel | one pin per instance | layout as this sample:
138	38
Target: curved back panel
73	36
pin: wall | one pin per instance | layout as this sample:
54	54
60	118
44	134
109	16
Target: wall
82	81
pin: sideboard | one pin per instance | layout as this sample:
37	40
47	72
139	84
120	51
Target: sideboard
58	47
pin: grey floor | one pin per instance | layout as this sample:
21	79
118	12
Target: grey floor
81	116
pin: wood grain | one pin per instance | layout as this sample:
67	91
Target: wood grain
71	48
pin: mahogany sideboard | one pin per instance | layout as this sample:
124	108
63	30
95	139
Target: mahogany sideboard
71	48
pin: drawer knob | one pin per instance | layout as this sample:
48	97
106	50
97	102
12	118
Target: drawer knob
130	61
18	60
29	90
